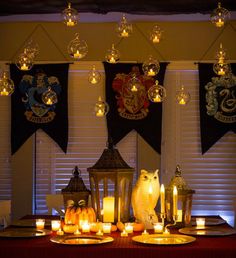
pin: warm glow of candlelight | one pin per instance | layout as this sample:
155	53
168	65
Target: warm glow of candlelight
219	23
145	232
24	67
200	223
108	209
175	201
55	225
151	72
124	33
40	223
4	92
106	228
162	199
158	227
77	54
129	228
124	233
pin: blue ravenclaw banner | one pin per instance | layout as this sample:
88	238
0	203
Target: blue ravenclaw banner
29	113
133	110
217	102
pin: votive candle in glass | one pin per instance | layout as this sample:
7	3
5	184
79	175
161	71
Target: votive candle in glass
40	223
55	225
200	222
124	233
106	227
129	228
158	227
85	227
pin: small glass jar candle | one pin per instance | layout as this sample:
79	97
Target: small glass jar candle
200	222
55	225
106	227
85	227
158	227
40	223
129	228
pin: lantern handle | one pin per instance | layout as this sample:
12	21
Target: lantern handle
76	172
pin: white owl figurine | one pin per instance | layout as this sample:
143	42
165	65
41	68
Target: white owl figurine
145	196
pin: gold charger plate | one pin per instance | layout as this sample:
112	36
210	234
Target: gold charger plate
208	231
210	221
81	240
161	239
24	232
28	223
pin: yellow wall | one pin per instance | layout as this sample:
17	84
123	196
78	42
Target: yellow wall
182	40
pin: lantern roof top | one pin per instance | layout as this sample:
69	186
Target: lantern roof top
76	183
178	181
111	159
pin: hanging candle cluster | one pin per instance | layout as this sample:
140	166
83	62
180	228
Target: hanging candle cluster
77	48
182	96
221	66
156	34
124	29
70	16
6	85
219	16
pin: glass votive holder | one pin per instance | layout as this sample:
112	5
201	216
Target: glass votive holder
40	223
106	227
85	227
200	222
124	233
129	228
158	227
55	225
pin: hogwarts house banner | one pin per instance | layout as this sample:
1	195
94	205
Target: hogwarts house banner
29	113
129	110
217	96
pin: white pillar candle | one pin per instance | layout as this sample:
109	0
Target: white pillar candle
175	201
55	225
162	199
108	209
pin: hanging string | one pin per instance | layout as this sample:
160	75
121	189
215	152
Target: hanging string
214	41
147	39
47	34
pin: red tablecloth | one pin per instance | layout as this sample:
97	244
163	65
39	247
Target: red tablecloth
42	247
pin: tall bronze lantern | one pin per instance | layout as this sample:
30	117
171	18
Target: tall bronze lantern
184	204
111	186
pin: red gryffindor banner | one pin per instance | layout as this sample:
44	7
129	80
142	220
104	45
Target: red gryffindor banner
133	111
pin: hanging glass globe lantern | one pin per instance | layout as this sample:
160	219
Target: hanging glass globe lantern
219	16
101	108
70	16
94	77
24	62
113	55
182	96
124	28
6	85
77	48
221	68
156	93
156	34
134	84
151	66
49	97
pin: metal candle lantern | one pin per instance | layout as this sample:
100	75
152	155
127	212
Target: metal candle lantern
111	180
76	189
184	205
